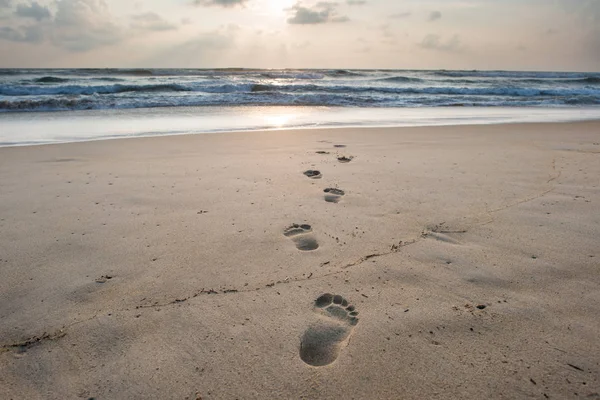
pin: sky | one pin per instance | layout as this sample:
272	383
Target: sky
545	35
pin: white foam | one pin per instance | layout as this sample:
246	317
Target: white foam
43	128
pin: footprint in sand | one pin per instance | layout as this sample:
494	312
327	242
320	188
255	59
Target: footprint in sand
302	237
313	174
345	159
322	342
333	195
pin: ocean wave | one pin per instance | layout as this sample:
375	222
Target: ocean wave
50	79
10	71
87	90
399	79
262	88
10	90
285	99
434	90
591	79
116	71
343	73
52	104
548	81
65	89
513	74
292	75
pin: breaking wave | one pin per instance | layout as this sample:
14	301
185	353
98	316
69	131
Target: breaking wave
76	89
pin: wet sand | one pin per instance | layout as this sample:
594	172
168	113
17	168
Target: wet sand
416	263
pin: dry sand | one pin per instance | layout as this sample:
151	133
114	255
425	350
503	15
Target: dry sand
465	264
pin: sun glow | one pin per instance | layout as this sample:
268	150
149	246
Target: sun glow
276	7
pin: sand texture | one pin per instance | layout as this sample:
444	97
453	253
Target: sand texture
401	263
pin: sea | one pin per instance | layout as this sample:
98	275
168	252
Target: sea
39	106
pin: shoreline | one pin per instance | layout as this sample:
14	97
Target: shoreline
97	125
384	129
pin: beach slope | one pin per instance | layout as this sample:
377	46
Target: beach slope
400	263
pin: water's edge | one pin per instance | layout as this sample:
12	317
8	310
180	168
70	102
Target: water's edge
78	126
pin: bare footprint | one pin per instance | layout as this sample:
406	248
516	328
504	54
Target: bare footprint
323	340
104	278
333	195
302	237
313	174
345	159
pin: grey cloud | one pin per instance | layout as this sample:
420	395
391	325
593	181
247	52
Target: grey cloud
82	25
151	22
356	2
435	15
23	34
34	10
222	3
79	25
5	3
435	42
323	12
342	18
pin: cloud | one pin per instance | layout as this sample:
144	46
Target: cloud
356	2
435	42
34	10
203	50
588	10
321	13
435	15
222	3
82	25
23	34
79	25
5	3
401	15
151	22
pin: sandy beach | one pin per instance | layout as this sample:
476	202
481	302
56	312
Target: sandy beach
458	262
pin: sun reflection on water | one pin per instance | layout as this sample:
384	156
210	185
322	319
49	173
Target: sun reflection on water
279	121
